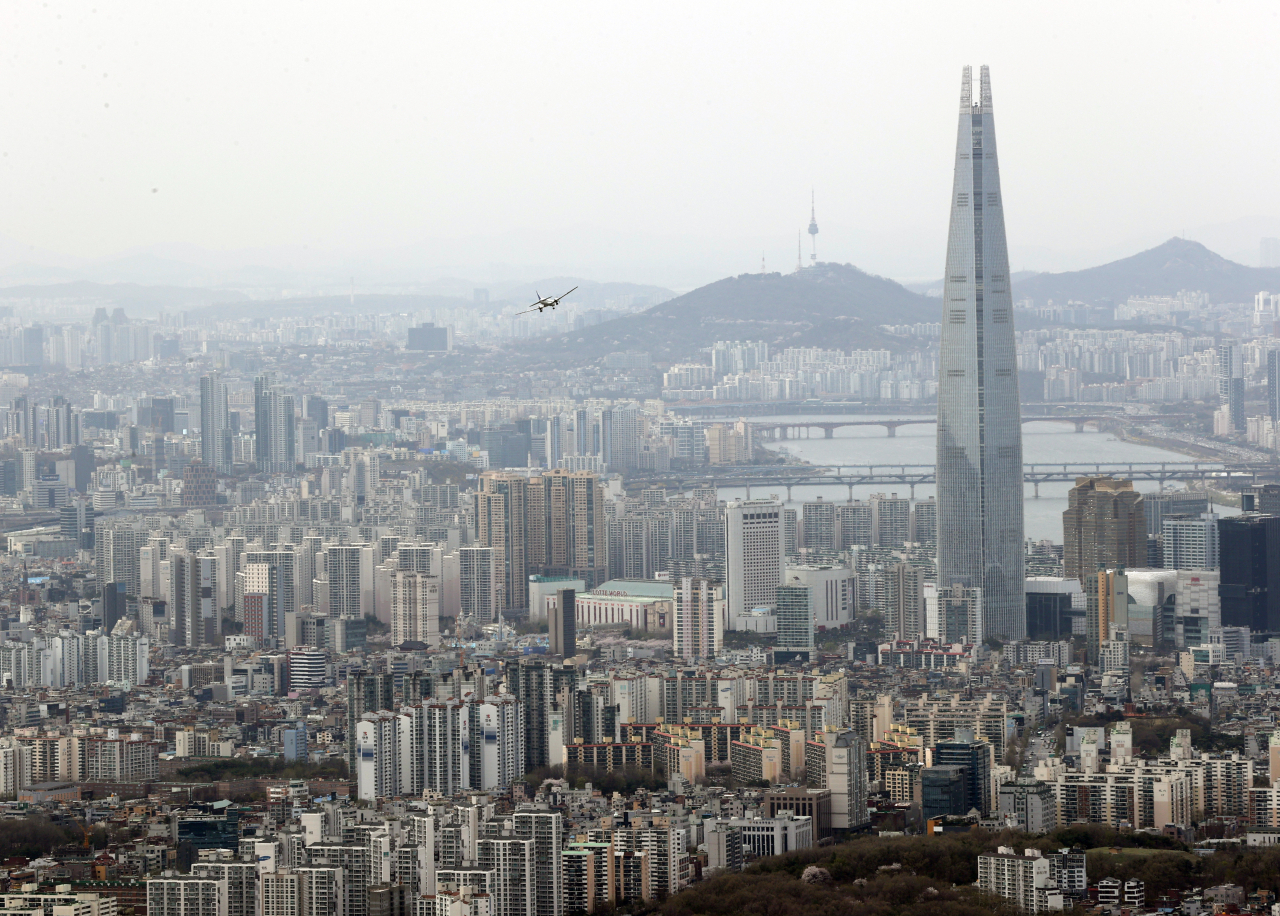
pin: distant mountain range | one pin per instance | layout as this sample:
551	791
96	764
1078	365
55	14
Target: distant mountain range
1178	264
137	300
829	305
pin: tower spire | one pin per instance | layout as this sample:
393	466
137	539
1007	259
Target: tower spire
813	228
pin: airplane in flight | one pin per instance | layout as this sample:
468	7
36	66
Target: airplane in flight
545	302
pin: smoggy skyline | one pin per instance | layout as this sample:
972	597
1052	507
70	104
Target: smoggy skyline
661	144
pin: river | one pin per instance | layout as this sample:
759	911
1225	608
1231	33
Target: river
1055	443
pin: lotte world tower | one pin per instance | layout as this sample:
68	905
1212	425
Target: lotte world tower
980	541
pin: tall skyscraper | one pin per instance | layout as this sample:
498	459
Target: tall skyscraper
754	556
698	632
562	630
979	421
215	424
1103	526
1250	556
1273	384
1231	382
274	428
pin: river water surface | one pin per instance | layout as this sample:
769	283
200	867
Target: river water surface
1048	443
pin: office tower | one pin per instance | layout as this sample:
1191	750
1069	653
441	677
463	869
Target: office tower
960	615
754	557
562	631
163	416
944	792
1155	506
1273	384
1190	541
697	626
33	345
1250	567
819	524
215	425
795	618
114	605
76	521
1049	612
429	338
274	428
965	750
1107	608
1263	498
833	590
317	408
1230	377
415	608
480	585
979	421
1103	526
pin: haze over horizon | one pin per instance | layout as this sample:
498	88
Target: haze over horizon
503	143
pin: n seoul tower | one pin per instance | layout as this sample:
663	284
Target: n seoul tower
813	230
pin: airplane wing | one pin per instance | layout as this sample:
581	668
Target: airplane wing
562	295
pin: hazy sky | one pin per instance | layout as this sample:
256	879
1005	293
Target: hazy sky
659	142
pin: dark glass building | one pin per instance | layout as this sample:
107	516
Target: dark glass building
1250	574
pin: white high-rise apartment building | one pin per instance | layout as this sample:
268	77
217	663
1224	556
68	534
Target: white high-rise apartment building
349	569
698	614
415	608
186	896
754	557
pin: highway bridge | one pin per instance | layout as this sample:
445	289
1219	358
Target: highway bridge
910	476
774	429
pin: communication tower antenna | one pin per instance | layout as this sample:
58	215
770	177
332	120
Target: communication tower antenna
762	270
813	228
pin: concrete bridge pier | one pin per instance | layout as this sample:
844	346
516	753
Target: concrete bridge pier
782	432
788	492
893	431
1036	489
913	491
1080	425
829	432
748	491
850	492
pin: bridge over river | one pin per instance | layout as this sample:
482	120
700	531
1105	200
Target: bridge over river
783	429
911	475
